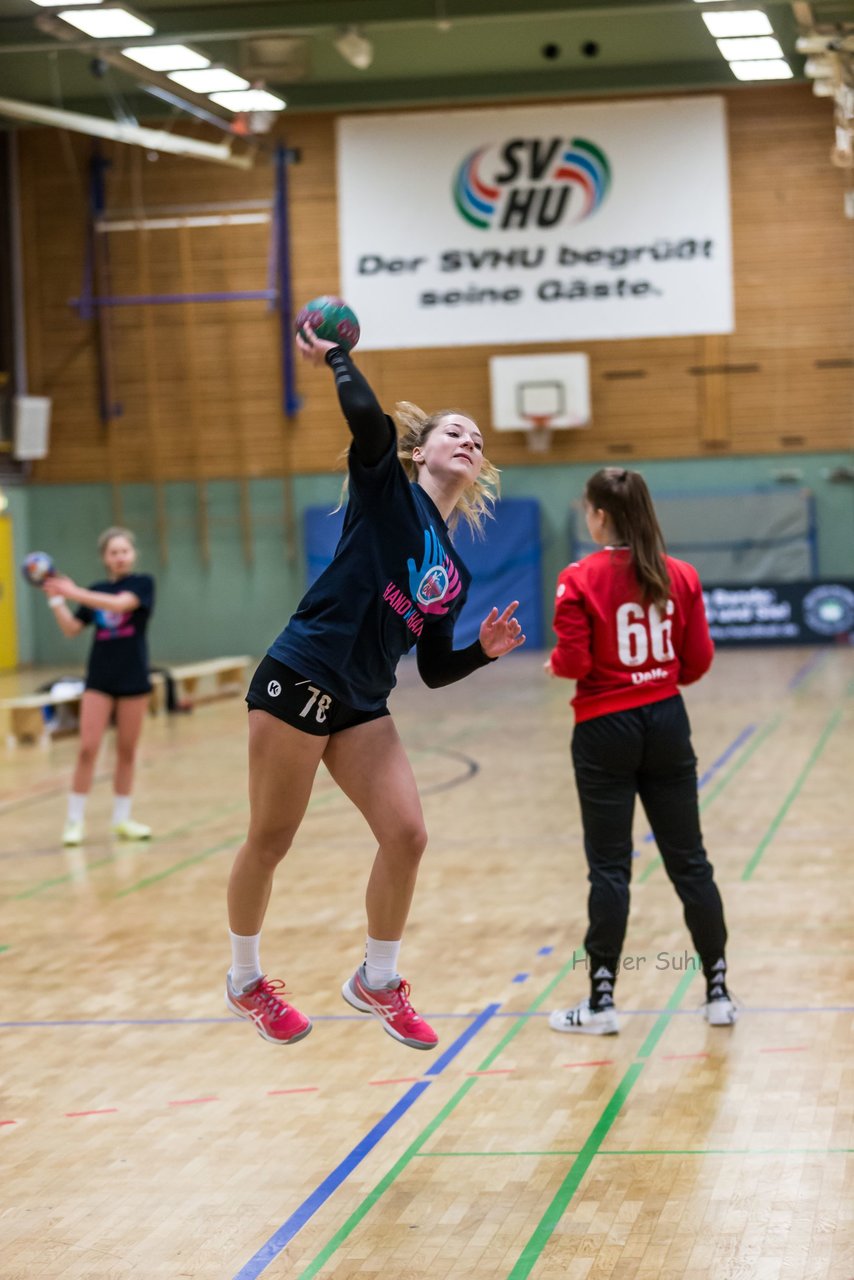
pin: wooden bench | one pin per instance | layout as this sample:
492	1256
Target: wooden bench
210	678
194	682
25	719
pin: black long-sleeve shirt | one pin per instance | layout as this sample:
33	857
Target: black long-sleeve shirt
439	664
395	579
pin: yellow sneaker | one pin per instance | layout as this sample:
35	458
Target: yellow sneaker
131	830
72	833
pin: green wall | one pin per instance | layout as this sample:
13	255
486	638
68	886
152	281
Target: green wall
231	606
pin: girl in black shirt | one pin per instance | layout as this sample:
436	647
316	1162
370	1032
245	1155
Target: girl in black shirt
117	680
320	693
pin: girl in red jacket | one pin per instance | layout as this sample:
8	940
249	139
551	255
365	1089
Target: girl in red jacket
631	628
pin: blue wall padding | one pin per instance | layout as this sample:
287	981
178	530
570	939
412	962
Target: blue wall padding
506	565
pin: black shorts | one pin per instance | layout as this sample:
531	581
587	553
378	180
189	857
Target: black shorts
117	693
302	703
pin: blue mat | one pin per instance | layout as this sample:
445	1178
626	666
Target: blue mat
505	566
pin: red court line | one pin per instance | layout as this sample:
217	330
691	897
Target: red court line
104	1111
398	1080
676	1057
2	1122
309	1088
794	1048
599	1062
190	1102
498	1071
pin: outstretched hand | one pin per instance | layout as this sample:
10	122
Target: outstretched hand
311	347
59	585
501	633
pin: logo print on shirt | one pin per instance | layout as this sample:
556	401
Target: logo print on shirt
110	625
107	620
274	688
436	583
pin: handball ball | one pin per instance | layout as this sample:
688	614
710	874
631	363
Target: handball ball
332	320
36	567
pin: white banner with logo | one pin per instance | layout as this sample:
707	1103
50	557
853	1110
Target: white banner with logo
536	224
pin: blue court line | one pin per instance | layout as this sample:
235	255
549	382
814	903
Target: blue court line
545	951
807	669
309	1207
521	977
433	1017
229	1020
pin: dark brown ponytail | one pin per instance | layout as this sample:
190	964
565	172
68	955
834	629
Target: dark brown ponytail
623	495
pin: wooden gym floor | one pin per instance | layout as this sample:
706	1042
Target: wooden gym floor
147	1134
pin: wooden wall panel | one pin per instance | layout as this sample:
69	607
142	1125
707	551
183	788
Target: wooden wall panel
199	385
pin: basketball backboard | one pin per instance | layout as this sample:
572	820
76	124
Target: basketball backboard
530	392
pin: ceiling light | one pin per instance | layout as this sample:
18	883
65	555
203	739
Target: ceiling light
770	69
249	100
105	23
211	81
749	50
54	4
166	57
746	22
354	47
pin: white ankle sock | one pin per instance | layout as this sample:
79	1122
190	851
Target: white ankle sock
381	962
245	960
76	807
121	809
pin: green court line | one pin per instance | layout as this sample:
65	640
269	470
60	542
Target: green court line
790	798
543	1231
208	853
414	1148
177	866
722	782
315	802
6	947
119	853
63	879
652	1151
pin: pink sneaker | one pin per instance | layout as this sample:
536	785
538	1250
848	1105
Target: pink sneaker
391	1005
262	1002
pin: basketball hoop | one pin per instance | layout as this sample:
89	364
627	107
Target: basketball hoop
539	433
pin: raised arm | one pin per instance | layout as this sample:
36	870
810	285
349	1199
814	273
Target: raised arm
122	602
371	429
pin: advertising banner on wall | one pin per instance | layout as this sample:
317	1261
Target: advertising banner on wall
536	224
782	613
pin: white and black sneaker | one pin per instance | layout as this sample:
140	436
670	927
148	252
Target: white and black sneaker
720	1010
582	1020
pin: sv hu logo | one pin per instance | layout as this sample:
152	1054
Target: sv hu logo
531	182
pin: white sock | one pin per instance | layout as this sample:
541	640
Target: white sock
76	807
381	962
121	809
245	960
